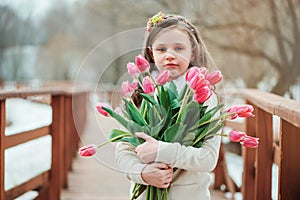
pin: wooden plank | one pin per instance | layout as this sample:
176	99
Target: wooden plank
13	140
287	109
248	179
264	155
289	173
32	184
2	147
57	160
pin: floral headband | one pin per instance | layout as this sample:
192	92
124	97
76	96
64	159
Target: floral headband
159	17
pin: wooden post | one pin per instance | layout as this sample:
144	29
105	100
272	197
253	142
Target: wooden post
68	151
2	148
264	155
57	165
248	185
289	167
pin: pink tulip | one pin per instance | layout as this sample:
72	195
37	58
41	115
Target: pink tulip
163	77
88	150
148	85
133	70
214	77
191	73
202	94
142	64
250	142
236	136
203	70
128	88
240	111
100	109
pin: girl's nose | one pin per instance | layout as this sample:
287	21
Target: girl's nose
170	55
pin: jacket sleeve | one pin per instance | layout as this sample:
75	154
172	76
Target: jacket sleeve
202	159
129	163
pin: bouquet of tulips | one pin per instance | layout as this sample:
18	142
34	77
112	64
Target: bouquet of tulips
169	115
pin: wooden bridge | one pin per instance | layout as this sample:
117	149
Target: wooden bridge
73	122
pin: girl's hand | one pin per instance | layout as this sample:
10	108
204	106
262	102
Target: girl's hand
148	150
157	174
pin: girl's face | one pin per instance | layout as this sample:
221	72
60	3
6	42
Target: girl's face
172	50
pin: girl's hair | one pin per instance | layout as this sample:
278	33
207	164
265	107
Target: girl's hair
201	55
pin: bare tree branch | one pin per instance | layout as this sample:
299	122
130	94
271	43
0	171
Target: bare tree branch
278	34
249	52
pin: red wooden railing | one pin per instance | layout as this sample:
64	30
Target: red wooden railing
63	130
257	172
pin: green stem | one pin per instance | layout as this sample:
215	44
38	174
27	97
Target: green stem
114	139
185	97
202	136
211	120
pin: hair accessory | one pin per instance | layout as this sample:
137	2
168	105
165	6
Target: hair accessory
159	17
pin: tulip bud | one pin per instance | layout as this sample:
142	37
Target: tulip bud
203	94
236	136
100	109
250	142
240	111
133	70
142	64
88	150
148	85
214	77
191	73
128	89
163	77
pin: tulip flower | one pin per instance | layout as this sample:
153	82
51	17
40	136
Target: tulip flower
240	111
148	85
191	73
236	136
133	70
202	94
203	70
128	88
142	64
100	109
163	77
250	142
88	150
214	77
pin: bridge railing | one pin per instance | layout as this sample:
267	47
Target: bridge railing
282	151
68	119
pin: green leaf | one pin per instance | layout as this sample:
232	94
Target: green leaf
172	90
116	135
132	140
183	91
174	133
134	127
116	116
191	114
134	113
164	98
188	139
149	98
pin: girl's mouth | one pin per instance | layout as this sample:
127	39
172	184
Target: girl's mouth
171	65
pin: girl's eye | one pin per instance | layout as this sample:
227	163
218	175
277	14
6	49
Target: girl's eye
162	49
178	48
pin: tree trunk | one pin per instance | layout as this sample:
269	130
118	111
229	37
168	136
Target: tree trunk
283	84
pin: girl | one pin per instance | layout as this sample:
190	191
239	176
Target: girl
172	43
